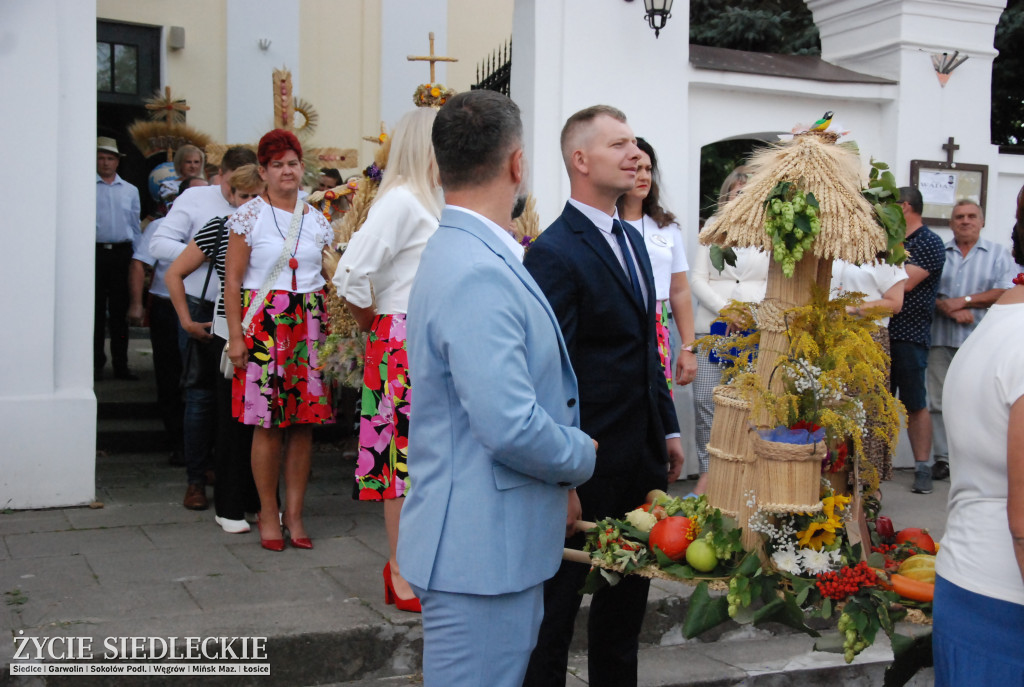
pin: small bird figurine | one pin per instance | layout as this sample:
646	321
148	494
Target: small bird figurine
822	123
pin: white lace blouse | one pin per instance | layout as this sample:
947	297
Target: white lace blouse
265	229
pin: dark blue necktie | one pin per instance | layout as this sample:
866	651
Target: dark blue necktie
620	236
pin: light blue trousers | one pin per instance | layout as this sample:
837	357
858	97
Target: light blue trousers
471	640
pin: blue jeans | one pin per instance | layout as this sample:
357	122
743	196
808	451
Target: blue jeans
200	422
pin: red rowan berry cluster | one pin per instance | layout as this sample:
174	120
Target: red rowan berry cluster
846	582
883	548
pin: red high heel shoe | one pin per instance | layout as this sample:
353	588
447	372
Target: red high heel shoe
297	542
268	544
390	597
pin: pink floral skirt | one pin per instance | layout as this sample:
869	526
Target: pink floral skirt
381	468
281	384
664	345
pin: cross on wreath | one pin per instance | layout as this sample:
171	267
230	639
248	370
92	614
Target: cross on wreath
431	58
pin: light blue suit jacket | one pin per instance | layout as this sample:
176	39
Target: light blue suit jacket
494	438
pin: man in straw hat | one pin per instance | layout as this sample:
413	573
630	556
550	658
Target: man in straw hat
117	229
595	271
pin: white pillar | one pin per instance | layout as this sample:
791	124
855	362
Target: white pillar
405	26
250	69
895	39
47	406
570	54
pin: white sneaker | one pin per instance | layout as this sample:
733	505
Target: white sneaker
232	526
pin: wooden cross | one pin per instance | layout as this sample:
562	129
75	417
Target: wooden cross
431	58
173	110
950	147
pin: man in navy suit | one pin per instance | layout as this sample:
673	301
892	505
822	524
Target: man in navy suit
494	437
597	276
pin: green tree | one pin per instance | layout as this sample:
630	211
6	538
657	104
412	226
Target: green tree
1007	88
778	26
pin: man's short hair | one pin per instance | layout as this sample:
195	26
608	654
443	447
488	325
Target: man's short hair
576	124
236	157
911	195
472	134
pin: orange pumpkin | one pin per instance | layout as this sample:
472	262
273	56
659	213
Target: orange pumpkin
672	536
918	537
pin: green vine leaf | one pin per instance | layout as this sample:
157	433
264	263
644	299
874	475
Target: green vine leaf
704	612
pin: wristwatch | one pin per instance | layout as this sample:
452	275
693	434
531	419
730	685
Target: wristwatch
687	348
967	299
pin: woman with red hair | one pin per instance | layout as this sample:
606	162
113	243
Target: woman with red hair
274	279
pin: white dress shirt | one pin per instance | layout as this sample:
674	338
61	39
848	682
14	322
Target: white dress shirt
502	234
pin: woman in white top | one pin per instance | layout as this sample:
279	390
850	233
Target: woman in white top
882	286
745	281
278	386
641	207
978	615
374	276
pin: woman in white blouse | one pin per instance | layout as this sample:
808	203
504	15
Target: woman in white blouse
275	248
745	281
374	276
642	208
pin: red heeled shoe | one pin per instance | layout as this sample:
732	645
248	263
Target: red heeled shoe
390	597
268	544
297	542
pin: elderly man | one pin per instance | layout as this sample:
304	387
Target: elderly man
495	430
595	271
976	274
117	230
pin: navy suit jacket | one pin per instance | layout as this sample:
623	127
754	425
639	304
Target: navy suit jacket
624	401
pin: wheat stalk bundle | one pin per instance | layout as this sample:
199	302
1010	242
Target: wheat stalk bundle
831	172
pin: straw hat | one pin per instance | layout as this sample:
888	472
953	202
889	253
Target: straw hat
108	145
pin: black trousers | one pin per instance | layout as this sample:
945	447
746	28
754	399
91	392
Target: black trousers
163	335
111	299
616	613
235	493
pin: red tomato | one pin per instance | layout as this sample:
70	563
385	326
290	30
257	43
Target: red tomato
672	536
918	537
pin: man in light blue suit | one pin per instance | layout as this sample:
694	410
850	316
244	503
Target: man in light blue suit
494	438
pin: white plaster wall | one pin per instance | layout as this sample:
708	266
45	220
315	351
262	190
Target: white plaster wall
405	26
47	407
250	105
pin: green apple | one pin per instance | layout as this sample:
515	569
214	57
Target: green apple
701	556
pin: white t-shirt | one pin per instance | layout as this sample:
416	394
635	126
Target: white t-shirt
265	229
871	280
382	257
985	378
666	250
190	213
142	254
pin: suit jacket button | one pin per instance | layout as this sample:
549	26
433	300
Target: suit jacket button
571	403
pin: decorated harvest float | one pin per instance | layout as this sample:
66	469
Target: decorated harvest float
789	529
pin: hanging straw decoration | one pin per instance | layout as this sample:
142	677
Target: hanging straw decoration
811	160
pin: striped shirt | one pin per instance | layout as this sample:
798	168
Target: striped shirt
987	265
206	239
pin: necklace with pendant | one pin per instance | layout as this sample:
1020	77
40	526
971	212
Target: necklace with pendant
293	262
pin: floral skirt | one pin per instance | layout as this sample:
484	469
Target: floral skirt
281	384
664	346
381	469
